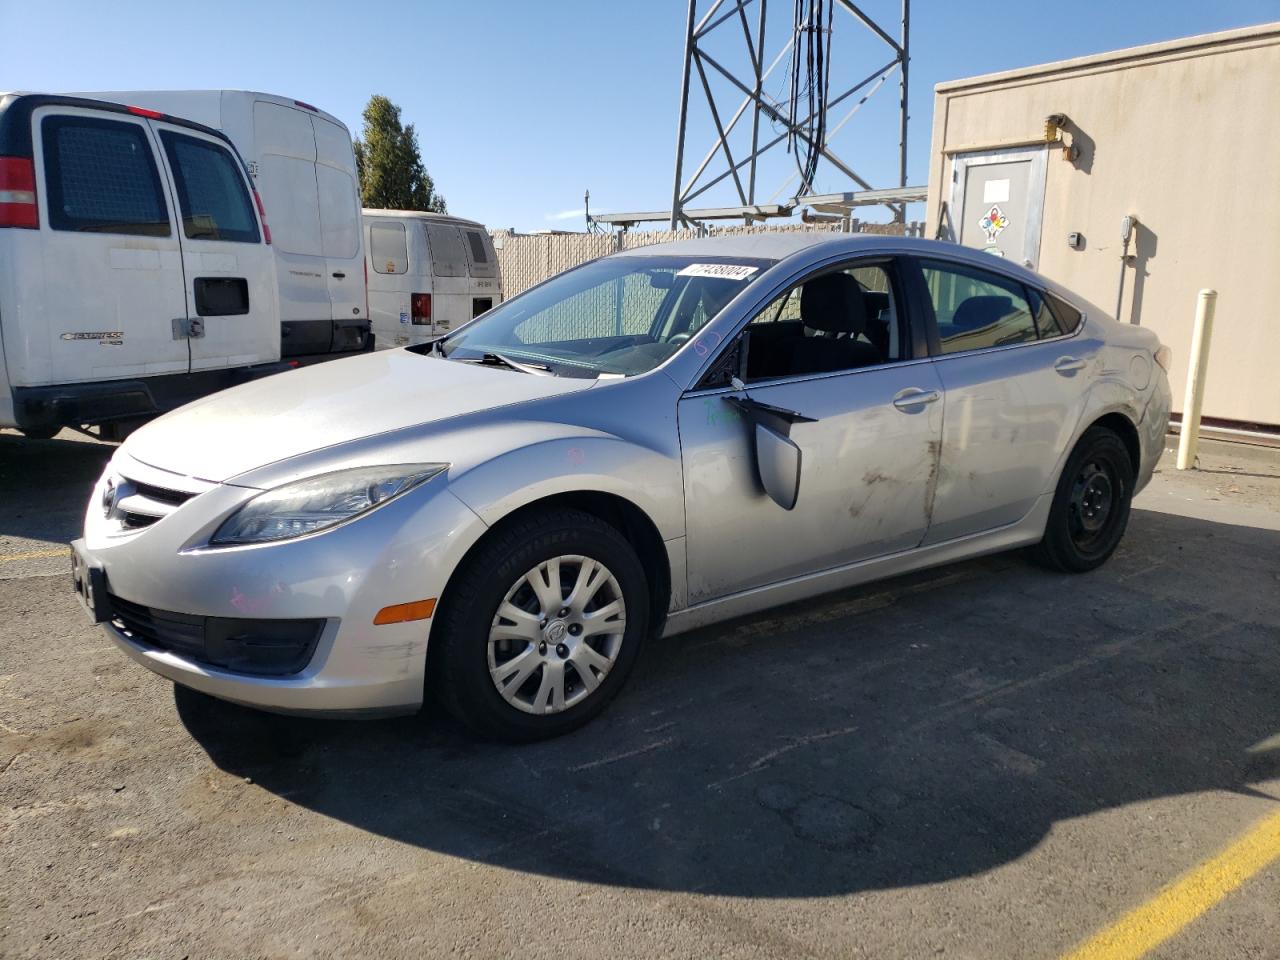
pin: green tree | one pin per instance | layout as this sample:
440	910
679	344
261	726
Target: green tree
392	176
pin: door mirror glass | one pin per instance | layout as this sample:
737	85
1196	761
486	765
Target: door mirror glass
778	464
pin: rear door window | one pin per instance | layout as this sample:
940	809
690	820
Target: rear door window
101	177
214	201
448	258
387	248
977	310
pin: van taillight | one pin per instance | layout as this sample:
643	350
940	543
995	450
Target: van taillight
420	303
18	193
262	215
366	291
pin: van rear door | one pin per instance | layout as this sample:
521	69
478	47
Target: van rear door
341	240
229	269
286	148
112	277
482	265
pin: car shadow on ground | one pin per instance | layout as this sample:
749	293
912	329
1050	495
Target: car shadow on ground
910	732
45	484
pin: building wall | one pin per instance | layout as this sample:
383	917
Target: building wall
1186	137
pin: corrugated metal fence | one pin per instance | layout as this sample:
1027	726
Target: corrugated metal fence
529	258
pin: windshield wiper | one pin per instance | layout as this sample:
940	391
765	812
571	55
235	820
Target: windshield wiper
498	359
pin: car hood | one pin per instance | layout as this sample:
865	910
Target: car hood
226	434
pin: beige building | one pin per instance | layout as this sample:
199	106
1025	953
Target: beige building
1043	164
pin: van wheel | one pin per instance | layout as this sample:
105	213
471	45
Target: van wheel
1090	506
540	627
40	433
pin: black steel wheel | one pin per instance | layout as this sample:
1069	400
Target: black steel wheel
1090	506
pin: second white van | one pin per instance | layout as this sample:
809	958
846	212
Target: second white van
428	273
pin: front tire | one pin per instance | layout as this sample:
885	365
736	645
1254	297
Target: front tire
540	627
1090	506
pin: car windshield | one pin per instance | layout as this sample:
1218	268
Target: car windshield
619	315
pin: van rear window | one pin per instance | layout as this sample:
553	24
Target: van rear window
478	253
101	177
448	259
387	248
211	193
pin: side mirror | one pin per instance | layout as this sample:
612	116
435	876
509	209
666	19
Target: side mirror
777	455
778	461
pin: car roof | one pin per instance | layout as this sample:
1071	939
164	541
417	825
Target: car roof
816	246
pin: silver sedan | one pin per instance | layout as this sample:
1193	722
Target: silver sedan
648	443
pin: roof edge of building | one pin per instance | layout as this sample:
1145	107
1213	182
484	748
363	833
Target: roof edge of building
1146	51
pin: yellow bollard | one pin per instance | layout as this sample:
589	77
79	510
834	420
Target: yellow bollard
1196	368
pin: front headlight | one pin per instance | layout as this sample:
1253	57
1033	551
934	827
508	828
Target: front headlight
317	503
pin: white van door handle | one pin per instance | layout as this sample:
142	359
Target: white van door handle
913	397
339	275
1068	365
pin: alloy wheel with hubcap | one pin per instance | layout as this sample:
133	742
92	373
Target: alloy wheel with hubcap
540	626
556	634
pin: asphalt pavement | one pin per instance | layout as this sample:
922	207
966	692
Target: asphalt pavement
982	760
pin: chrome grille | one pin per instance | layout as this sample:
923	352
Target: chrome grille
140	504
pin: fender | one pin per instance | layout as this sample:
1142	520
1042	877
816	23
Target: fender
584	460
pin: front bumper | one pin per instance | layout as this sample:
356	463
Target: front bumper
401	552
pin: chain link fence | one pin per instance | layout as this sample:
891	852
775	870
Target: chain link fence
526	259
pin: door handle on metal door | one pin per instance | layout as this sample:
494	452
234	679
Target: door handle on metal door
915	397
1069	365
338	275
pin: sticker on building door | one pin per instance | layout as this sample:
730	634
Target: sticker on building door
993	223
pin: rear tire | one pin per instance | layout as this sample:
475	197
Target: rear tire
1090	506
509	664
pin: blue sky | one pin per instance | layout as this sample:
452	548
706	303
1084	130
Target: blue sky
521	106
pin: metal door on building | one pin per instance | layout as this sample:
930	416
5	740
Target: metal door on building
997	202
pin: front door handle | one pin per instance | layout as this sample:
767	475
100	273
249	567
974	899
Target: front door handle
1069	365
913	397
339	275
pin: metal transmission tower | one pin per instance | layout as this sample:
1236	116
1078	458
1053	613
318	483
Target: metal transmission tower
802	119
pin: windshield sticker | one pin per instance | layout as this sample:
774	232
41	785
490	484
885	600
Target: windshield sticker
725	271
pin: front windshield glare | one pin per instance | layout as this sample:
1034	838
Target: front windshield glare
619	315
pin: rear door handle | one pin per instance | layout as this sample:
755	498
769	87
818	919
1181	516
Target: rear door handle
1069	365
913	397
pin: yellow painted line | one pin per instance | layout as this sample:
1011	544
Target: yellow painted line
1186	898
35	555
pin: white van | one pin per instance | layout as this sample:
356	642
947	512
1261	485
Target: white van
302	161
428	273
135	270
